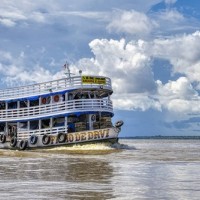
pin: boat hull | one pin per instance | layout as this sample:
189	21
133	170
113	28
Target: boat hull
68	139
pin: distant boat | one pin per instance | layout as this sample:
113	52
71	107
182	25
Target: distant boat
71	110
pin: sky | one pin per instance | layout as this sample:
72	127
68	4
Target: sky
149	48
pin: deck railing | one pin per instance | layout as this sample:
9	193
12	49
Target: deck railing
56	109
51	86
25	134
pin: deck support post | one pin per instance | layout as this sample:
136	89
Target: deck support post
51	124
66	125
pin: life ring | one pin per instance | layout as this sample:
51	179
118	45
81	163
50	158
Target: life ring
2	138
44	100
23	144
56	98
93	118
13	141
46	139
33	139
61	137
119	124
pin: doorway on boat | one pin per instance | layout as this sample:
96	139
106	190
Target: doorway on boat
100	120
12	129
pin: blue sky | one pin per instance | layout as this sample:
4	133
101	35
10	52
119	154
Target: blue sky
150	49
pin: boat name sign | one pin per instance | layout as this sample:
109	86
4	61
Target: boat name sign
93	80
87	136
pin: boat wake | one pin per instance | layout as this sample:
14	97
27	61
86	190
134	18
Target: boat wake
123	146
85	149
92	148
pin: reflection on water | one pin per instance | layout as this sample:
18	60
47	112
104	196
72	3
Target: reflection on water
47	175
137	169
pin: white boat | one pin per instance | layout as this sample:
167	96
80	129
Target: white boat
71	110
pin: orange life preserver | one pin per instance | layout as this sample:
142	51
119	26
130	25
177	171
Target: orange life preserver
56	98
44	100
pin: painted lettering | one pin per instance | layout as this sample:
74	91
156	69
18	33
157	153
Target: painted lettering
83	136
70	138
78	137
107	132
96	135
90	135
102	133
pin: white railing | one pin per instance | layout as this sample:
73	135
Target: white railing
56	108
51	86
25	134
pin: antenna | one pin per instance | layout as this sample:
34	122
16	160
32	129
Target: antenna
67	70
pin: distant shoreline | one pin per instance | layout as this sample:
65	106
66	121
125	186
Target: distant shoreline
163	137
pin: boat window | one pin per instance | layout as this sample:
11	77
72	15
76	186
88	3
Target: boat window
34	103
23	104
12	105
77	96
58	122
45	123
2	125
23	125
84	96
2	105
70	96
63	97
34	125
92	96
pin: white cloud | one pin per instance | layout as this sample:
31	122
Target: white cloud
181	88
171	15
131	22
131	101
183	52
129	68
7	22
183	106
179	96
126	63
15	71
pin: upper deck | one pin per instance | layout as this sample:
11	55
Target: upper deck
75	82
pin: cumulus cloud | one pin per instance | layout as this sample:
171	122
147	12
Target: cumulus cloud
181	88
179	96
126	63
130	66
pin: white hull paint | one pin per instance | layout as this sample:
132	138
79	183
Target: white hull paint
99	135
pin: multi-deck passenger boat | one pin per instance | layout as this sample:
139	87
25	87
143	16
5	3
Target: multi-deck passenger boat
72	110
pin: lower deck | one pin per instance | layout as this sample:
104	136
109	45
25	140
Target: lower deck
54	125
62	130
62	139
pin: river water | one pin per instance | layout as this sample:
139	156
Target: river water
135	169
